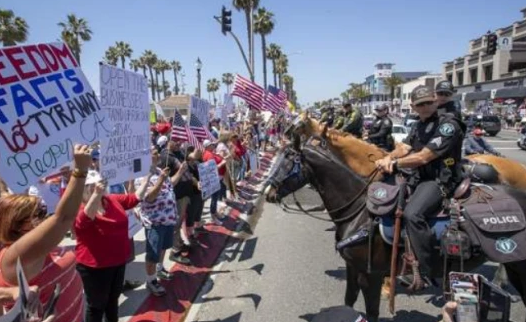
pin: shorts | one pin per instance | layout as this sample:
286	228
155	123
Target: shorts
158	239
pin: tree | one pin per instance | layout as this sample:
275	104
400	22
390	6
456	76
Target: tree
282	65
13	29
360	93
176	68
74	32
212	86
263	25
163	67
273	53
123	51
111	56
248	6
150	58
137	64
158	68
288	82
393	82
228	80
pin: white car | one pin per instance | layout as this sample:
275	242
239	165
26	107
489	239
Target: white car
399	133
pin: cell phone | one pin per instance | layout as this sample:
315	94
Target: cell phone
50	306
494	303
465	290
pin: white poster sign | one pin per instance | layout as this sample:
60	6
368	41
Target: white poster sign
200	108
134	225
229	103
125	153
46	106
253	158
209	178
504	43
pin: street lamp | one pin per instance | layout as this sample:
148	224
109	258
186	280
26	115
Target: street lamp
198	66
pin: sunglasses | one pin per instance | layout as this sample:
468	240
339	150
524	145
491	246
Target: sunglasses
424	104
446	94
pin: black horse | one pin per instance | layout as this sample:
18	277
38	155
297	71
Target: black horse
344	195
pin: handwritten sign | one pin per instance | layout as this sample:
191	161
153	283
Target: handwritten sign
46	106
200	108
229	103
209	178
125	153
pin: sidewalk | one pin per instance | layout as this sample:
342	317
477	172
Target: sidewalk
139	306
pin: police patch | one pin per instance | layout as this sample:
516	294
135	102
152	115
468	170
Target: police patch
505	245
380	193
447	129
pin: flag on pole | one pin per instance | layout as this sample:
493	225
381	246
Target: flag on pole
252	93
181	132
200	131
275	100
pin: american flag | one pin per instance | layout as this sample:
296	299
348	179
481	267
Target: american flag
200	131
181	132
252	93
275	100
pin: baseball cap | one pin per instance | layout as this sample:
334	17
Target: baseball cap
162	140
445	87
382	107
207	143
477	132
422	94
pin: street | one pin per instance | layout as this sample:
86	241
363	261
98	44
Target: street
288	269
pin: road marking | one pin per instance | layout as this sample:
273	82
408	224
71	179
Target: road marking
516	148
504	141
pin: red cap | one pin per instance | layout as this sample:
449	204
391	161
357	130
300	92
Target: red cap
477	132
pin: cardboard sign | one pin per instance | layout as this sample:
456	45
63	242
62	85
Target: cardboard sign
20	311
46	106
125	153
134	225
209	178
253	158
200	108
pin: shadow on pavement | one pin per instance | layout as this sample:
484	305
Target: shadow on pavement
234	318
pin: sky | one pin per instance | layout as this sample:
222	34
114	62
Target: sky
330	43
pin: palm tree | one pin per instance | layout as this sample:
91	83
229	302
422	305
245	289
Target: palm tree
212	86
142	64
150	58
163	67
74	32
273	53
13	29
248	7
135	64
393	82
176	68
282	65
288	82
228	80
111	56
360	93
123	51
263	25
158	68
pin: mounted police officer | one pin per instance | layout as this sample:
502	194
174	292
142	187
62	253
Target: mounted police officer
381	129
353	123
444	92
433	149
339	119
327	115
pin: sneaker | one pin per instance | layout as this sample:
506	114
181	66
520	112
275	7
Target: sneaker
156	288
164	274
130	285
178	258
407	280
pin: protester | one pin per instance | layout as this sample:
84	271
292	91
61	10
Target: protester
158	213
28	235
208	155
195	209
239	154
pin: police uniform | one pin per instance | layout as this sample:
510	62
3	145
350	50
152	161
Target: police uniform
353	122
381	130
339	120
452	107
328	116
434	181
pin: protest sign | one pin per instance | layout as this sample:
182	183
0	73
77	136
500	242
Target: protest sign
125	153
200	107
229	103
253	159
46	106
22	310
209	178
134	225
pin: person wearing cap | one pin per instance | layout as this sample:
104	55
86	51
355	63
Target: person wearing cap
433	149
353	123
339	119
161	143
381	129
208	155
327	115
443	93
476	144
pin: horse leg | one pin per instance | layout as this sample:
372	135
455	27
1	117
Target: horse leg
517	277
352	289
371	286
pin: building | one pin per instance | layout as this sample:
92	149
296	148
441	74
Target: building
491	80
173	102
375	86
405	89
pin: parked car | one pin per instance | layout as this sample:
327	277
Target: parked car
400	132
491	124
410	119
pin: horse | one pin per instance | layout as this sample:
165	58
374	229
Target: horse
337	183
510	172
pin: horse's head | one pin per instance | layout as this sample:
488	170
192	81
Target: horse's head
291	175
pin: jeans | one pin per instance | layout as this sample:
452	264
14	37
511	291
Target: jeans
102	288
217	196
194	210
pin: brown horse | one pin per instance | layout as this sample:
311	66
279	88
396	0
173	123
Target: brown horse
342	190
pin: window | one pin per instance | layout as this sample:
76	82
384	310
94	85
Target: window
450	77
473	75
460	78
488	72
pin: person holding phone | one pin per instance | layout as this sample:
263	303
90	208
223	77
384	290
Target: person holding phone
103	246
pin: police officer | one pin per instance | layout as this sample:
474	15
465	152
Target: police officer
353	123
381	129
444	92
339	119
433	149
328	115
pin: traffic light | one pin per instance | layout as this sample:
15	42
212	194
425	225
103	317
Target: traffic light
491	44
226	20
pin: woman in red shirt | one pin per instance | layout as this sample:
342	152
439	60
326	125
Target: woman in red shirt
103	246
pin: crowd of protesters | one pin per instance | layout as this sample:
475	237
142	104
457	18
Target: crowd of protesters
168	202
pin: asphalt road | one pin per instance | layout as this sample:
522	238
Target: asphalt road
288	271
506	143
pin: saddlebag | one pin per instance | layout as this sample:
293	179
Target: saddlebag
497	223
382	198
